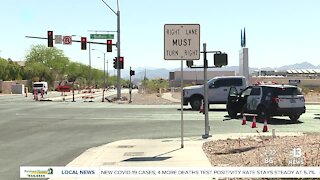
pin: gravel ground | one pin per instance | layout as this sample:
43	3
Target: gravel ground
144	99
265	151
312	97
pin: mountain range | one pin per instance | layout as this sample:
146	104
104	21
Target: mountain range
154	73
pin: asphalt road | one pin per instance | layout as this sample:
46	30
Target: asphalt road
54	133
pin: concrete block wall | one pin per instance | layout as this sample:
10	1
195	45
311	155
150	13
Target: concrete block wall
5	86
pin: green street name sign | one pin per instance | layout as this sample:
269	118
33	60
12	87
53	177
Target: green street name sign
101	36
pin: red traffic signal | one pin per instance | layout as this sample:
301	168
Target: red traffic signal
109	45
121	61
83	43
50	38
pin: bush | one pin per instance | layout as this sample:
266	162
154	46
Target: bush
153	86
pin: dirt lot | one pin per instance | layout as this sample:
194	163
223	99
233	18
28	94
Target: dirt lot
265	151
145	99
312	97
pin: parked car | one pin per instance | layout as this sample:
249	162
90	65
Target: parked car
218	89
266	101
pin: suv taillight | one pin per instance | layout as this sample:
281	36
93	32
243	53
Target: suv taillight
275	99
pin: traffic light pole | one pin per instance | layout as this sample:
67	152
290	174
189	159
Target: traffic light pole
206	105
104	75
118	55
89	67
118	47
205	90
130	87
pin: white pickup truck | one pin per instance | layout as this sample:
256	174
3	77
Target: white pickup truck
218	90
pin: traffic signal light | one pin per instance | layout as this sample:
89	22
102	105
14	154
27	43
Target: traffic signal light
83	43
132	72
220	60
189	63
115	63
109	45
50	38
121	59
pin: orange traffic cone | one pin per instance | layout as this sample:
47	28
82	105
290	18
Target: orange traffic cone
201	107
35	95
244	120
265	125
42	93
254	124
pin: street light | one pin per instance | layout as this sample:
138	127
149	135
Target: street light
104	71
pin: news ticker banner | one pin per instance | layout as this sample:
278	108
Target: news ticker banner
130	172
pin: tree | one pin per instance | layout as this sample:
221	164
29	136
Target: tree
10	70
3	69
52	58
14	70
155	84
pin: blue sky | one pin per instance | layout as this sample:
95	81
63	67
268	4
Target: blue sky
278	32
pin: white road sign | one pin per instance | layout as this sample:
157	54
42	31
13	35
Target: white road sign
58	39
182	41
67	40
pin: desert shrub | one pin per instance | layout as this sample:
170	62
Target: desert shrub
153	86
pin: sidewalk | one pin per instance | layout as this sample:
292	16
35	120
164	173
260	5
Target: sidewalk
153	153
144	153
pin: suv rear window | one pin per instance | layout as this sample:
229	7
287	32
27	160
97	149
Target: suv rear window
38	85
287	91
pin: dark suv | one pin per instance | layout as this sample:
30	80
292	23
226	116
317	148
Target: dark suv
267	101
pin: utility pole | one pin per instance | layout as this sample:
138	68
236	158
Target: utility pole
130	86
107	84
118	47
90	67
104	75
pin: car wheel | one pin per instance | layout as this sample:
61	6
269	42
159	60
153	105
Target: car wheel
196	103
231	112
294	117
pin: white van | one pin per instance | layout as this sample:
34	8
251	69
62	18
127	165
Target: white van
218	91
38	86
